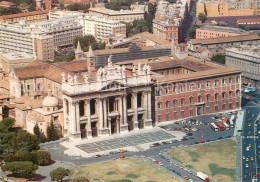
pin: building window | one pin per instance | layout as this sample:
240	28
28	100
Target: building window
216	96
158	92
167	104
230	105
159	105
174	103
199	85
167	116
223	95
182	114
174	88
230	93
168	72
216	82
230	80
208	97
191	112
207	109
159	118
216	108
208	84
237	93
223	81
237	104
191	100
175	116
191	86
182	101
166	90
223	106
199	98
238	79
182	88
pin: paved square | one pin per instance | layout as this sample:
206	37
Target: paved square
125	141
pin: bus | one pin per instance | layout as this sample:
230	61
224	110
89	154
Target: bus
221	127
226	126
214	127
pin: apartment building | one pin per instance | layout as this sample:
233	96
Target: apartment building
247	59
122	15
63	30
221	43
169	20
209	31
30	17
100	27
17	38
215	8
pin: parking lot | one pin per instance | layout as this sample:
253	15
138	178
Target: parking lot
125	141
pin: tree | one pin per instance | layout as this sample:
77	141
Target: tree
243	27
192	31
86	41
36	131
24	141
118	4
202	17
52	134
59	173
6	134
77	7
69	57
219	58
20	168
41	157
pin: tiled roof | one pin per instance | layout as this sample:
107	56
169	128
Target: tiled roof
74	66
220	40
6	3
146	35
198	75
23	14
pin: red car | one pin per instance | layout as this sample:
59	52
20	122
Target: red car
202	141
122	156
157	162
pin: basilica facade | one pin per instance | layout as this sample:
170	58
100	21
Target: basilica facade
108	100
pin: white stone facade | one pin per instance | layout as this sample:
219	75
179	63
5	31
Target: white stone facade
119	100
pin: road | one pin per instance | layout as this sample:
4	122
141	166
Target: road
204	132
250	159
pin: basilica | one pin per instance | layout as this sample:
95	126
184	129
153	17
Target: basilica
108	100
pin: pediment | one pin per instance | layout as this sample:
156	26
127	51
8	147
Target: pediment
114	85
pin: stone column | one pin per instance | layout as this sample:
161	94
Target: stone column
73	120
105	112
118	125
149	110
135	111
121	115
101	119
87	111
77	118
145	104
65	113
125	110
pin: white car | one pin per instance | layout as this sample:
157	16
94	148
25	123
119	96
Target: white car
244	157
161	164
247	159
246	165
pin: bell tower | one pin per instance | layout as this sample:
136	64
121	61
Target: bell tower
91	62
78	52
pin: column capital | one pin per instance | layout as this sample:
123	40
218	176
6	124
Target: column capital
74	102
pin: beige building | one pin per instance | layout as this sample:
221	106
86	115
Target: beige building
9	61
209	31
30	17
101	27
215	8
16	38
50	111
122	15
107	100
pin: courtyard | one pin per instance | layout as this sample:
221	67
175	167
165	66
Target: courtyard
216	159
125	141
136	170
